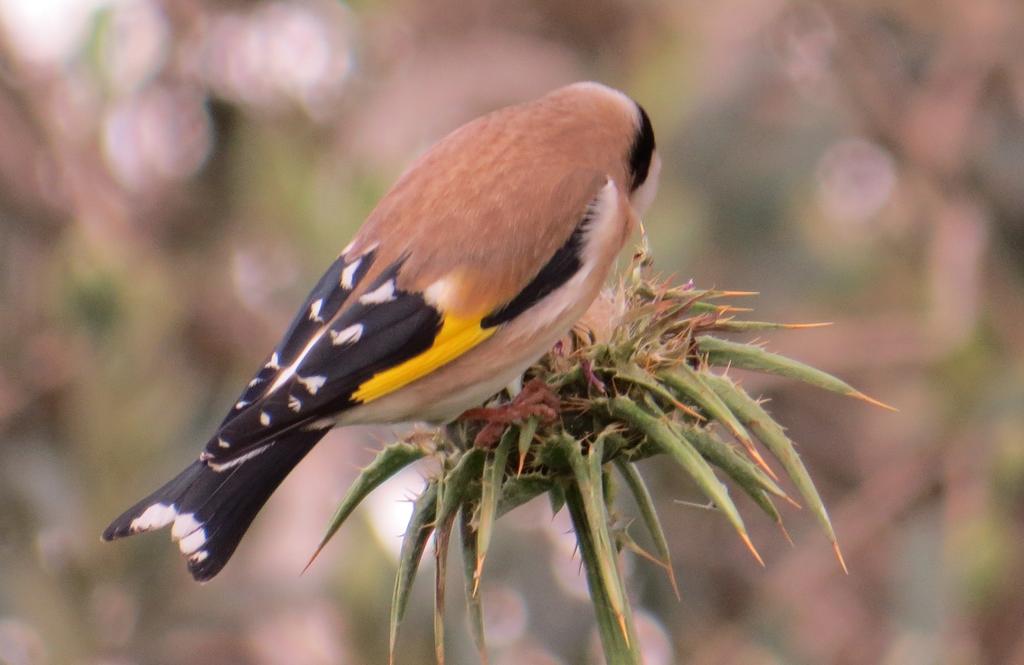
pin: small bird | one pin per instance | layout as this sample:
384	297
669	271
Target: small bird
484	253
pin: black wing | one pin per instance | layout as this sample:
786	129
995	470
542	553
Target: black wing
322	304
326	354
208	511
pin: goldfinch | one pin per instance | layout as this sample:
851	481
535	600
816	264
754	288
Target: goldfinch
484	253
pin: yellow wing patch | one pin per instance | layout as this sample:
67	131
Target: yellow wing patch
457	335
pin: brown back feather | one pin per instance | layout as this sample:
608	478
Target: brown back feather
492	201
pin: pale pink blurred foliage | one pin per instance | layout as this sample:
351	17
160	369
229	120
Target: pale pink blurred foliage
21	644
157	136
505	614
307	634
855	181
175	174
274	53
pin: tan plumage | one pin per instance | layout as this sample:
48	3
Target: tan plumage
495	198
487	249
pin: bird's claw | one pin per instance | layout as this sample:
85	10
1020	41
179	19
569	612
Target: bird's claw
535	399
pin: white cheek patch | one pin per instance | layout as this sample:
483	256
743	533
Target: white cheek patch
644	195
156	516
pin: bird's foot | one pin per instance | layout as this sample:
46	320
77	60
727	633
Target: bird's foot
535	399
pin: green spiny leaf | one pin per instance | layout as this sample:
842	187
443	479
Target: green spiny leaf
609	488
724	353
744	472
388	462
688	383
556	496
732	325
459	482
490	493
645	503
683	453
474	608
651	386
612	626
517	490
526	432
587	472
417	533
701	307
749	477
774	438
442	535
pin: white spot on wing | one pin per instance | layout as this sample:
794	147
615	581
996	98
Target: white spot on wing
241	458
241	404
348	275
289	371
192	541
348	335
645	193
185	524
382	294
314	309
156	516
312	383
222	443
198	557
275	361
254	381
264	418
294	404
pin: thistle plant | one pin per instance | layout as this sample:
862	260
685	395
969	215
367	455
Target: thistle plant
646	373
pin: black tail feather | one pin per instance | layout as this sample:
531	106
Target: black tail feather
209	511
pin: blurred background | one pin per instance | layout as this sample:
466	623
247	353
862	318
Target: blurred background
175	174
